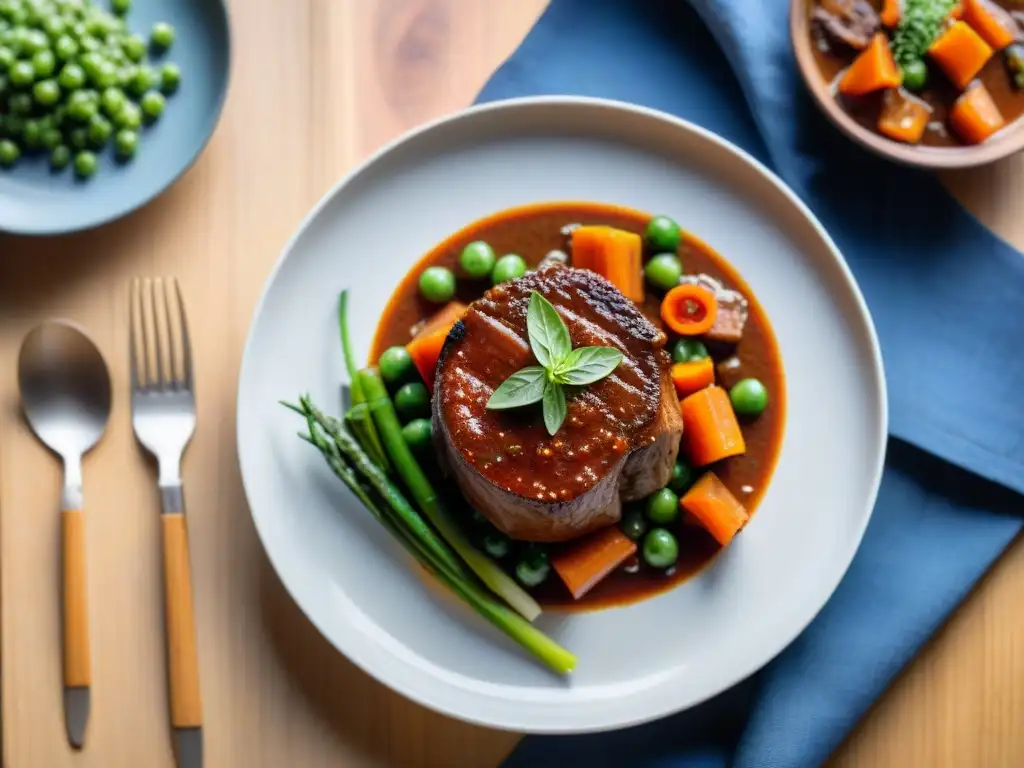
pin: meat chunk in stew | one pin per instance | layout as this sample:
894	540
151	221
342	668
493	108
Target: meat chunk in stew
851	22
733	310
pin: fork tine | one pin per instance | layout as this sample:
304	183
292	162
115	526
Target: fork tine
154	292
134	319
174	381
186	347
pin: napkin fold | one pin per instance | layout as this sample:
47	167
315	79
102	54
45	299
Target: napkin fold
947	298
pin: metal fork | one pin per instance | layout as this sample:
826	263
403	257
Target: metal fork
164	418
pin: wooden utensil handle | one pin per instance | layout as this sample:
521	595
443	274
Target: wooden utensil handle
77	666
182	656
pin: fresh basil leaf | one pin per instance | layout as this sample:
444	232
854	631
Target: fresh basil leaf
549	338
554	406
523	387
585	365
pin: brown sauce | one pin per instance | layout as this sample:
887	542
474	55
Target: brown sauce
532	231
939	93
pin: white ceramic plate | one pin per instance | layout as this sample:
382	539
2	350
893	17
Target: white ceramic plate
635	663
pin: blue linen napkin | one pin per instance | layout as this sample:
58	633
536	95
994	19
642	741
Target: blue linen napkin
948	300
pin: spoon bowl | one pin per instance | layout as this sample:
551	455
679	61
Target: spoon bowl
65	387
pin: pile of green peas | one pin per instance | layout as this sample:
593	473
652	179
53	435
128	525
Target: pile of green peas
477	261
647	522
409	394
662	237
74	79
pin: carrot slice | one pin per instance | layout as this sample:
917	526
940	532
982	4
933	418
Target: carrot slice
956	12
614	254
425	348
961	52
975	116
991	24
689	377
689	309
711	431
903	117
892	10
585	562
715	507
874	69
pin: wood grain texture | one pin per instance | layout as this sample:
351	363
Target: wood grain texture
182	654
317	85
77	669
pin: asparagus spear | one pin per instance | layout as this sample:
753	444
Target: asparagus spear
358	416
426	497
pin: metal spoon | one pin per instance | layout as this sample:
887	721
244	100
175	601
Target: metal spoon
65	392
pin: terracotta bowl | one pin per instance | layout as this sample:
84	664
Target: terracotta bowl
1005	143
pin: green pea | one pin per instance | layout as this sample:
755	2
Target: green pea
749	397
126	143
664	271
7	58
112	100
105	75
34	41
688	351
497	545
80	106
14	125
60	157
143	79
170	77
533	569
412	401
134	47
54	26
32	134
152	105
71	77
100	130
46	92
660	548
89	43
121	7
395	365
79	137
130	116
19	104
662	234
915	75
663	506
9	153
634	524
22	74
51	138
477	259
85	164
682	476
437	284
509	267
65	48
417	434
162	36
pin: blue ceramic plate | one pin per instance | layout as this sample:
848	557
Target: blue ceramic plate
36	201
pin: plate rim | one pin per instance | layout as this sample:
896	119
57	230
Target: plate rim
120	213
865	318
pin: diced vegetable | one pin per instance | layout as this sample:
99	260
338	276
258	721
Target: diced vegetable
961	53
688	350
711	431
612	253
903	117
749	397
992	24
891	12
1014	55
715	507
663	506
585	562
956	12
975	115
661	550
425	348
689	309
919	25
689	377
874	69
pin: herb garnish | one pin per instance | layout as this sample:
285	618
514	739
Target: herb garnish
560	365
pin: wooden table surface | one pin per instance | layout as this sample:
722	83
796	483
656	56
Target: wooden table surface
317	85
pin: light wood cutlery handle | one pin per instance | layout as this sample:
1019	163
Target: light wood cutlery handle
77	667
182	656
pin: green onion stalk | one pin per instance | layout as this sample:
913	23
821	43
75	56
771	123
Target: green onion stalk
358	415
412	475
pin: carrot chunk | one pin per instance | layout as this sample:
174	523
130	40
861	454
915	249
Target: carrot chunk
903	117
585	562
614	254
712	504
711	431
975	116
689	309
892	10
874	69
689	377
961	53
992	24
425	348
